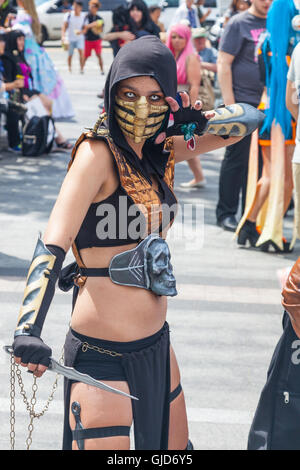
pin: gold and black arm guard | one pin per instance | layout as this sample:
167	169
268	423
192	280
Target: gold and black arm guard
40	286
235	120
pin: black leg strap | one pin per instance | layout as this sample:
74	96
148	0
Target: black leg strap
174	394
94	433
76	409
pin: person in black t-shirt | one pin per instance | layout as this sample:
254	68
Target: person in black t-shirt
93	27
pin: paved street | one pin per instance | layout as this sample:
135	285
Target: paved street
225	321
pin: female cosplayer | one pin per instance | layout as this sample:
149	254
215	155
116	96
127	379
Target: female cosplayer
118	329
269	196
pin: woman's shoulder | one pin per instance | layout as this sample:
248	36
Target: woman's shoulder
91	165
91	152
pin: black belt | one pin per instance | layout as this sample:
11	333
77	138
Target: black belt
138	267
94	272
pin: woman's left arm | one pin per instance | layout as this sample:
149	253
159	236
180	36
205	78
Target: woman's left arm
205	143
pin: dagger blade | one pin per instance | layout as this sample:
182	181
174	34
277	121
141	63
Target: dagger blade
73	374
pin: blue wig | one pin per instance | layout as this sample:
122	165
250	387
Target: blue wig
279	34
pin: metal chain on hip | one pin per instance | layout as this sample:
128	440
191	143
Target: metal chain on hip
86	346
15	372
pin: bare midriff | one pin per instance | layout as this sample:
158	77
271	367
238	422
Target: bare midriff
112	312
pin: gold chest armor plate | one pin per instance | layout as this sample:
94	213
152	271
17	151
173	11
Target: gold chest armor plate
138	189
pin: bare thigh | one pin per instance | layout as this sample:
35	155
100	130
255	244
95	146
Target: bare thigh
100	408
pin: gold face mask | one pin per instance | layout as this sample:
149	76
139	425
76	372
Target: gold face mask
139	120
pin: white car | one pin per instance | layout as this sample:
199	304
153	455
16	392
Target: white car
170	6
51	14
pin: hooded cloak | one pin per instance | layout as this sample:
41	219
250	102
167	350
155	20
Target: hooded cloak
146	56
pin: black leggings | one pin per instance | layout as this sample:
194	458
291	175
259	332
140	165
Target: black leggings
233	178
12	125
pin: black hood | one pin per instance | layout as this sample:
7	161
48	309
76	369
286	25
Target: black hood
146	56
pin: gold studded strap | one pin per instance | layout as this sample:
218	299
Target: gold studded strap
39	289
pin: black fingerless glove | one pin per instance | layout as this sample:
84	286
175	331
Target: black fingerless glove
187	122
31	349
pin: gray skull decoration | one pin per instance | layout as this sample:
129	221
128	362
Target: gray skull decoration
147	266
159	269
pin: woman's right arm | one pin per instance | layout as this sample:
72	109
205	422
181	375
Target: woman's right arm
84	180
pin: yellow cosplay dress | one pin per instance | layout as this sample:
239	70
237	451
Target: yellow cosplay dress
269	223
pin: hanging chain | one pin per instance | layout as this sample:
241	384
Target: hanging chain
15	372
12	402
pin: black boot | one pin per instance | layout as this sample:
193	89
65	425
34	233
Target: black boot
248	232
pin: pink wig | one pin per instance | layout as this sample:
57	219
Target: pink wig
184	32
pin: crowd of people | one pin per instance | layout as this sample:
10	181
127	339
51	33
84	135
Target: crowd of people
255	61
27	73
82	31
238	68
243	74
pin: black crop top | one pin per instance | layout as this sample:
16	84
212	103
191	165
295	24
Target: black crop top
116	220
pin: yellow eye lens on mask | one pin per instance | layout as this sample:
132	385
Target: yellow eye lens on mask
139	120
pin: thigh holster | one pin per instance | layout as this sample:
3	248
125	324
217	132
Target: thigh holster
79	434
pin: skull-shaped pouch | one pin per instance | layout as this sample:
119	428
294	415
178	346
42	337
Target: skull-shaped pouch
146	266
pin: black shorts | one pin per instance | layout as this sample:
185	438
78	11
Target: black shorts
102	359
